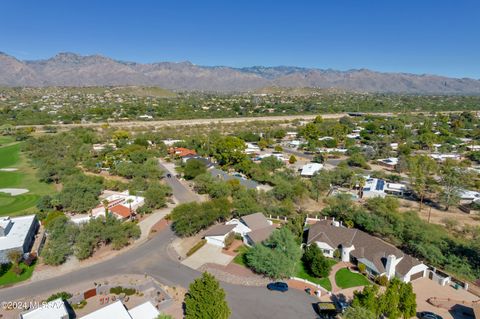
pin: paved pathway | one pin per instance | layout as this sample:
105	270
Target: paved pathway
334	270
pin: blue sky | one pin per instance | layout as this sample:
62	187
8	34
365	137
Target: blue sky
422	36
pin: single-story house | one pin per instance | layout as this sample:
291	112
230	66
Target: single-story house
375	187
181	151
251	148
254	228
54	309
224	176
18	234
217	234
308	170
121	204
101	147
467	195
170	142
356	246
118	311
355	135
473	148
294	143
443	157
390	162
204	160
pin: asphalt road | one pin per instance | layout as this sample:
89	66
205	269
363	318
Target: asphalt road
180	192
155	259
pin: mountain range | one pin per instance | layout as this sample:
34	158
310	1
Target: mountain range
70	69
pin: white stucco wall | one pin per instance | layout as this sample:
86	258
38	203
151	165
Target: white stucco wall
416	269
323	246
216	240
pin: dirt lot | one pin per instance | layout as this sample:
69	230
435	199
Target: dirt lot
436	215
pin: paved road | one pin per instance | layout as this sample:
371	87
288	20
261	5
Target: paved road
190	122
182	193
155	259
152	258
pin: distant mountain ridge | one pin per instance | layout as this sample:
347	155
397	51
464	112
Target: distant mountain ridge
70	69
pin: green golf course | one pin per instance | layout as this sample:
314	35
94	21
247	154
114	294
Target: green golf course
23	177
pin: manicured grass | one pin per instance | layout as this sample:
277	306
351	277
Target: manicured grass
24	177
6	140
9	155
302	273
9	277
347	279
240	257
11	204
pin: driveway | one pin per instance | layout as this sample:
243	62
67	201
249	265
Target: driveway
426	288
207	254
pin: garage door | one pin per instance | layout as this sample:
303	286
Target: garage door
416	276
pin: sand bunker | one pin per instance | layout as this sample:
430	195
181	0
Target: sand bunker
8	169
14	191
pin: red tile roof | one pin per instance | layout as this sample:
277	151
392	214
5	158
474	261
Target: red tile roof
181	151
120	210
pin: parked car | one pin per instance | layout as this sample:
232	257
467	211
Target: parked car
278	286
428	315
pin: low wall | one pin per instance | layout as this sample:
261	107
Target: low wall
323	290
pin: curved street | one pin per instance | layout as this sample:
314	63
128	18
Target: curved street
154	258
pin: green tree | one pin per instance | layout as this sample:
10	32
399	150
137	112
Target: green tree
321	183
421	169
451	180
193	168
292	159
229	150
358	313
367	298
408	301
277	256
206	299
317	264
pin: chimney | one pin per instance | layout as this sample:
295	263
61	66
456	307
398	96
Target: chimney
390	266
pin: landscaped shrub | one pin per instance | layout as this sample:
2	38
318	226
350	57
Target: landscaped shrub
79	305
62	294
382	280
129	291
119	289
229	240
362	268
116	290
196	247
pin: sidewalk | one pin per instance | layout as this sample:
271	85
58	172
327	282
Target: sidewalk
73	264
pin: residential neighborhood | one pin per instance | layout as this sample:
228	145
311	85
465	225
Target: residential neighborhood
240	159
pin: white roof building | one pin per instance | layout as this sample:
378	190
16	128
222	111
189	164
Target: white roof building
473	147
16	233
53	310
251	148
353	135
144	311
442	157
390	162
375	187
118	311
310	169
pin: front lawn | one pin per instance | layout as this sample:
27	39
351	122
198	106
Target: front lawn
240	257
347	279
302	273
8	277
